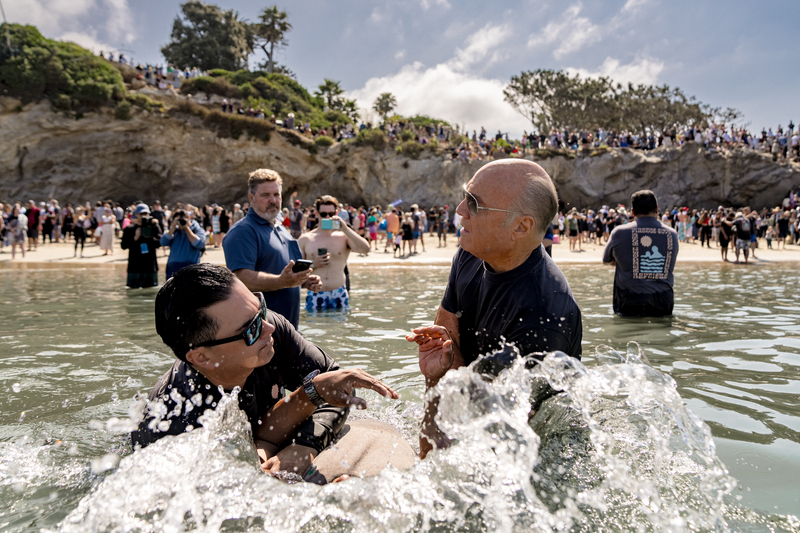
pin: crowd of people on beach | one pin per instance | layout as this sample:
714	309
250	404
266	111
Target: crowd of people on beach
740	230
391	228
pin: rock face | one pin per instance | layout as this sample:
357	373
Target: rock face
45	154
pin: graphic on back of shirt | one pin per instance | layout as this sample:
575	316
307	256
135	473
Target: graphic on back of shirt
652	253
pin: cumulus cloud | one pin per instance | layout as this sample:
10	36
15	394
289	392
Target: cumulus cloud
641	70
58	18
571	32
450	90
88	41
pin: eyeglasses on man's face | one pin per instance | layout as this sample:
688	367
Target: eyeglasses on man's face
474	207
251	333
326	214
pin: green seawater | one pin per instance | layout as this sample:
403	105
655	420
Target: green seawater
76	346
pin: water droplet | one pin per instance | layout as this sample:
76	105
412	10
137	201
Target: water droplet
65	403
15	387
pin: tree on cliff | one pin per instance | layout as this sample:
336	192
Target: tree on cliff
330	91
555	99
270	33
207	38
385	104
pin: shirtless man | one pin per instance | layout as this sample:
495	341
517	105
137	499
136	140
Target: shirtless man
329	250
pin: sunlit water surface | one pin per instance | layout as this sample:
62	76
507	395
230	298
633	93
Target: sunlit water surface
627	446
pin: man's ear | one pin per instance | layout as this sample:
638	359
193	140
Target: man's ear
525	226
199	357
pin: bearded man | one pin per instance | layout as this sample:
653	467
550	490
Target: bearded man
262	253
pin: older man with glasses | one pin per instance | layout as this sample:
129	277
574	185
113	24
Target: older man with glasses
224	337
503	287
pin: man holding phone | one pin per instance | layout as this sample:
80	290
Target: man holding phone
329	247
262	254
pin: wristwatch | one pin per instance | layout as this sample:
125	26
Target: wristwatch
311	390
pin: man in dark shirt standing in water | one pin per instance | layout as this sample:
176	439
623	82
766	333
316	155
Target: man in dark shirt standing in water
644	252
503	286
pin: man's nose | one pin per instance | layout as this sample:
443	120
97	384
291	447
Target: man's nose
462	210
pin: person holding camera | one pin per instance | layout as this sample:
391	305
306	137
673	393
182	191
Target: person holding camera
186	239
329	246
141	240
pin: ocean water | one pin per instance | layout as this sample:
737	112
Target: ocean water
688	423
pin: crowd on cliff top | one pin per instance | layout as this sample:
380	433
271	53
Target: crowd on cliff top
397	230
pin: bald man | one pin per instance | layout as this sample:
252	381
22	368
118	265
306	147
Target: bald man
503	287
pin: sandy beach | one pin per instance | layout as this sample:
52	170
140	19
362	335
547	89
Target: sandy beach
52	255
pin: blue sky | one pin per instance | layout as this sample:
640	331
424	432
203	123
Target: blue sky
452	59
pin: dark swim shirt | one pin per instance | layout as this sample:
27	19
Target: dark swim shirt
531	306
182	395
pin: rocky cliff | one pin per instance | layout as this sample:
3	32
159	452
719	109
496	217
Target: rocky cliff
44	154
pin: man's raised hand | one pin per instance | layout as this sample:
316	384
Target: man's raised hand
436	355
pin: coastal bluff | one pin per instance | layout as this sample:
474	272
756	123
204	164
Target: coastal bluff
176	159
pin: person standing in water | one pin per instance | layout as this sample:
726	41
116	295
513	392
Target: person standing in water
644	252
503	287
329	248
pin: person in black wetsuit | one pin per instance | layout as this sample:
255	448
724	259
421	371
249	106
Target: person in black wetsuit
503	286
224	337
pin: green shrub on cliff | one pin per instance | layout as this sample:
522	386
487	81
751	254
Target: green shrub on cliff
123	110
323	140
227	125
374	138
276	94
36	68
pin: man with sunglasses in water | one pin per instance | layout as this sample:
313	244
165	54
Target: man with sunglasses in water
503	287
225	337
329	246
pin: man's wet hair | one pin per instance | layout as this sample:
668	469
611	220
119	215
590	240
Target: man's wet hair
181	320
644	202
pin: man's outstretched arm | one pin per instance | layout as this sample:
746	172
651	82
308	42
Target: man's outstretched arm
438	352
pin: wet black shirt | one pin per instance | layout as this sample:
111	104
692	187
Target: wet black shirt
531	306
182	394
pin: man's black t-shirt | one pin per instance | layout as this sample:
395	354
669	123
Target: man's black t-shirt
142	253
186	393
531	306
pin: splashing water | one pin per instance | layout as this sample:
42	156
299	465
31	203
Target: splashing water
616	450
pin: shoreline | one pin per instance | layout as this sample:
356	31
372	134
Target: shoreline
61	255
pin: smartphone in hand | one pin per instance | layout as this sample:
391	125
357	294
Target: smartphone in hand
301	265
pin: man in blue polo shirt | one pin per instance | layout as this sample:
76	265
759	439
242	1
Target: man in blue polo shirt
261	253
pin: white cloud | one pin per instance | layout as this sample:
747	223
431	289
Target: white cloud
60	18
426	4
449	90
90	42
400	54
480	45
641	70
572	32
633	5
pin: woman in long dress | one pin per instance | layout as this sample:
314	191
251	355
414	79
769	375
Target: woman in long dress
109	220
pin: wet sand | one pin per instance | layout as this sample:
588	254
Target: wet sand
52	255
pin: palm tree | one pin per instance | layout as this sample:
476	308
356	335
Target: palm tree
270	33
330	90
350	108
385	104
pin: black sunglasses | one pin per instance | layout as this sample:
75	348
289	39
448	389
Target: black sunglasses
326	214
251	333
473	207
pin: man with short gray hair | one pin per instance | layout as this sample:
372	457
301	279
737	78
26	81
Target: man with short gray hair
503	287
